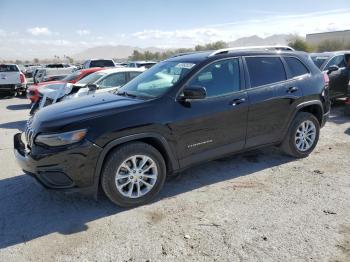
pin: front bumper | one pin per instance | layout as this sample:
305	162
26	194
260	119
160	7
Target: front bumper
69	169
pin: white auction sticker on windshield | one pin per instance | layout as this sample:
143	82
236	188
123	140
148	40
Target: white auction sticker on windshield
185	65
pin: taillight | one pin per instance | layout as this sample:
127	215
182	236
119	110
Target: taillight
22	78
326	79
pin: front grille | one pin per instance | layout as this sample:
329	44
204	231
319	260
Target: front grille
29	133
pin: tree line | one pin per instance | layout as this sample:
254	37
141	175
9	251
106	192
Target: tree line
158	56
299	43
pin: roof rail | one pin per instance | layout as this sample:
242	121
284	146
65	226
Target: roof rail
267	47
188	53
182	54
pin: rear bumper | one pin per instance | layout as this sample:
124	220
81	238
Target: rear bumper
12	87
69	170
7	88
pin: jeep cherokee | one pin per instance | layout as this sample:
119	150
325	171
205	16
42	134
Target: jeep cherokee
185	110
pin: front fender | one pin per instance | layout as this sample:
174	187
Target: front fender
107	148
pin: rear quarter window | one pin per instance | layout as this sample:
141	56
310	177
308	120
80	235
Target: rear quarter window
102	63
265	70
296	67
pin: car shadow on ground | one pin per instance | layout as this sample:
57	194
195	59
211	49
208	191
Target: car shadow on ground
20	125
338	115
347	131
18	107
27	211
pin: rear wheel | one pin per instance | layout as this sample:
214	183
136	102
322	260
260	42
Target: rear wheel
133	175
302	136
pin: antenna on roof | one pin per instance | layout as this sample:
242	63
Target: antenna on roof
267	47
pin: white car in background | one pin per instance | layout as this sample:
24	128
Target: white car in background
12	80
105	80
100	81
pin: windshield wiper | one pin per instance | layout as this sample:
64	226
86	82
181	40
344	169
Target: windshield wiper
124	93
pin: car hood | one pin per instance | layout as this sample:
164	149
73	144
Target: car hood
75	110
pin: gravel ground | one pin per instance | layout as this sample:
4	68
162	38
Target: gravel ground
259	206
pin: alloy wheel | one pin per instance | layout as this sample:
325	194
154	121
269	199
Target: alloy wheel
305	136
136	176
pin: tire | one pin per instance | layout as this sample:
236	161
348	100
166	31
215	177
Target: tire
291	141
118	163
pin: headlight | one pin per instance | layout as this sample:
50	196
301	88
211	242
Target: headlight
61	139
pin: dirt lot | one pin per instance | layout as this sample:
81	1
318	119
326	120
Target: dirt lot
260	206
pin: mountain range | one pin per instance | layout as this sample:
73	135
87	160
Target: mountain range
124	51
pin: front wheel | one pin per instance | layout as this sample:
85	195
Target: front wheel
133	174
302	136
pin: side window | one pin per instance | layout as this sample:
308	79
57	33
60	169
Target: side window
265	70
219	78
113	80
296	67
337	60
134	74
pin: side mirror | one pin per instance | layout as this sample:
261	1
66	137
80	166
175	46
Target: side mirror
92	87
194	92
332	68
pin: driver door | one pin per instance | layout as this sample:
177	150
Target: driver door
216	125
338	80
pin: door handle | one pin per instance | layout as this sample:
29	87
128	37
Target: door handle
292	89
238	101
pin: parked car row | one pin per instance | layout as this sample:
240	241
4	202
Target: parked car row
82	83
13	77
187	109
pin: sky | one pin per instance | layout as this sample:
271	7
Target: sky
44	28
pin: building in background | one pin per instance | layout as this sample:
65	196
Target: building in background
339	36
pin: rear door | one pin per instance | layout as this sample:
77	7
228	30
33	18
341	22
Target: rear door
270	99
9	75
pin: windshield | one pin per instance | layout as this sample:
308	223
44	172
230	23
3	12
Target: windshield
90	79
158	79
72	76
319	60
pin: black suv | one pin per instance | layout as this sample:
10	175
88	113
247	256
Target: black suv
185	110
